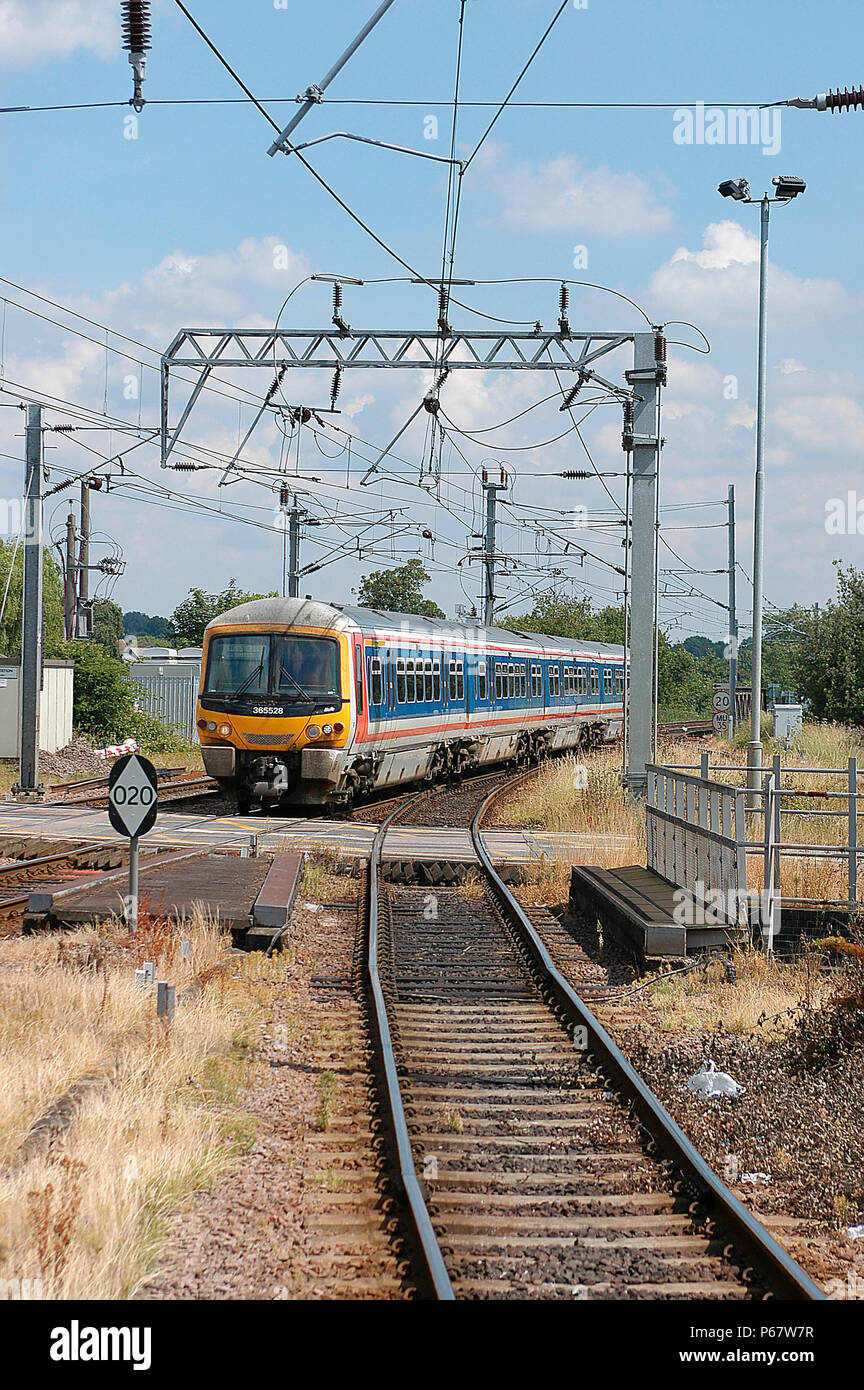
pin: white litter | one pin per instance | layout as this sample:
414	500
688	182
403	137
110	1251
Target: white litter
312	907
711	1082
856	1232
755	1177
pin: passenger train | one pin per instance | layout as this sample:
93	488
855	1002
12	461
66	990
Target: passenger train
314	704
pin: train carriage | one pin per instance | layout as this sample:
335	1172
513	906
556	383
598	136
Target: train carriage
313	704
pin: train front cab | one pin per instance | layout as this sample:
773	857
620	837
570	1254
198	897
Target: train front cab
275	712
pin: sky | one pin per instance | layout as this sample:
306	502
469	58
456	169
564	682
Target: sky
136	228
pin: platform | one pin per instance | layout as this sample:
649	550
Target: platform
647	909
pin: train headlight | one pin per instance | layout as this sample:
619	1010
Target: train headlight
211	726
225	730
338	728
313	731
327	730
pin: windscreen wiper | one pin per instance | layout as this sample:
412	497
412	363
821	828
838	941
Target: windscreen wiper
283	671
245	683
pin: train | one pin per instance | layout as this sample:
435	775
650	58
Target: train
305	703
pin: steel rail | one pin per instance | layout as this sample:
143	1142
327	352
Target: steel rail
786	1278
418	1212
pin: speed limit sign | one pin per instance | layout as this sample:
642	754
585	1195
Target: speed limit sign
132	796
722	703
132	802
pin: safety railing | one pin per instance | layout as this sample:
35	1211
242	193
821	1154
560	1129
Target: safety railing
696	839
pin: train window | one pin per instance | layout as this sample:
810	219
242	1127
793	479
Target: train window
581	686
523	680
410	695
553	680
607	682
377	683
536	682
436	682
497	680
452	680
358	678
481	681
619	680
595	680
400	680
460	680
428	688
511	680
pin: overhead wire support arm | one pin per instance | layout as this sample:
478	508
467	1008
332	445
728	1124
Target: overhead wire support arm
382	145
314	94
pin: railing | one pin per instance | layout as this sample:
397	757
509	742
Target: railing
680	798
696	839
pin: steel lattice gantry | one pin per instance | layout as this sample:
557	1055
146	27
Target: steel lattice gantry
206	350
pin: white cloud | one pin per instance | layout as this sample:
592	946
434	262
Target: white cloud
718	284
823	424
562	194
790	364
35	31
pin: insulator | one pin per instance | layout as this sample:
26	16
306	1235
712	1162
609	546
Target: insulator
187	467
563	300
659	348
284	495
136	25
337	297
64	429
276	383
336	386
442	302
845	100
575	474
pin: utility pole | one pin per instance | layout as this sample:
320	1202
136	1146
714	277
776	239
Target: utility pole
754	747
84	552
31	635
294	518
491	490
733	617
69	585
646	378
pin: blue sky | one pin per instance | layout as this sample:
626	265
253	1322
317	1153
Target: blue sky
184	225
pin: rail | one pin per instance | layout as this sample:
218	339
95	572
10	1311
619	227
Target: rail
421	1221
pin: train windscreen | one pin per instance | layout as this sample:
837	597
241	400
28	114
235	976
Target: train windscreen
264	664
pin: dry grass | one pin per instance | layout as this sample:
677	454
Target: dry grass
87	1219
578	796
765	997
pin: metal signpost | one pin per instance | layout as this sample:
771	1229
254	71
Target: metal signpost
132	804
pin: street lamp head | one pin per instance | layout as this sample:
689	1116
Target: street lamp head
788	186
739	189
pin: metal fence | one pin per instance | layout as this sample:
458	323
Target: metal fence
780	847
696	840
171	699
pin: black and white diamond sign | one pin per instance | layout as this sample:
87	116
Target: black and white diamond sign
132	795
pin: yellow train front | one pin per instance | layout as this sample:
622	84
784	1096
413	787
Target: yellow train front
274	709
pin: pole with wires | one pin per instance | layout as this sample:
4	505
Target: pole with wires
491	490
733	617
69	580
31	635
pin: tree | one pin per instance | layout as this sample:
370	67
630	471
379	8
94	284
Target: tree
572	617
102	699
399	590
830	662
143	625
52	601
107	625
189	619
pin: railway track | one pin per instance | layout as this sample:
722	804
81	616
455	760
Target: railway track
176	787
532	1160
18	880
